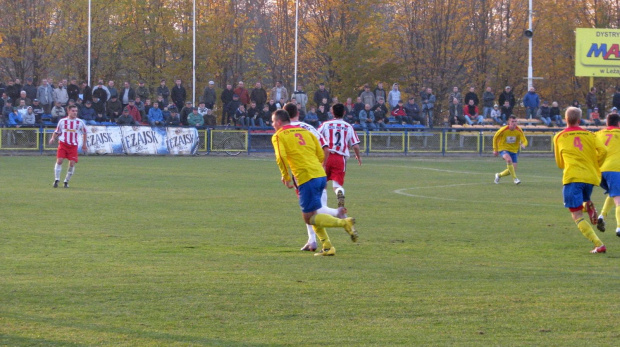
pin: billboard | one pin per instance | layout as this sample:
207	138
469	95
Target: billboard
597	52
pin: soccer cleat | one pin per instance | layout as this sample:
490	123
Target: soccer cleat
342	213
349	227
56	184
66	185
601	249
600	225
592	212
340	195
310	247
326	252
517	181
496	181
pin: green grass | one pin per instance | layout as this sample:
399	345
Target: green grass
167	251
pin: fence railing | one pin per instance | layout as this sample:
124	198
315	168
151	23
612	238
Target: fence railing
440	141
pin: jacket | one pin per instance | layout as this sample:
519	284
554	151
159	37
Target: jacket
531	100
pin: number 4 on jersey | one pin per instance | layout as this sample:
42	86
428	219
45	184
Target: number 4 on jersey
577	143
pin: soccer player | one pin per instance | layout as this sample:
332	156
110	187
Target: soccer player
610	137
580	154
506	142
293	114
67	132
340	135
298	150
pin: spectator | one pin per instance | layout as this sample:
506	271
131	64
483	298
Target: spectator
321	113
112	89
101	92
206	114
367	118
164	92
358	107
321	94
470	111
24	98
127	93
209	96
232	108
58	112
368	97
88	114
12	91
142	91
155	116
178	94
173	118
99	107
590	102
73	91
301	97
61	95
142	108
413	111
45	94
185	111
455	95
134	112
244	96
400	113
488	98
161	102
195	119
312	118
241	116
265	115
380	92
252	113
350	115
394	96
506	112
555	114
38	110
496	115
456	113
114	108
531	101
595	116
14	118
227	98
125	118
471	95
30	89
544	113
22	108
29	118
258	96
616	98
279	92
381	112
428	104
507	95
87	92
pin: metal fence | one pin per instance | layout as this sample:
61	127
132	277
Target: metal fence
443	141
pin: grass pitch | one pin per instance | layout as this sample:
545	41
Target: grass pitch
166	251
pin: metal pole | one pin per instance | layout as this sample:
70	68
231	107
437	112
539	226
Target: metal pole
296	41
530	72
89	20
194	57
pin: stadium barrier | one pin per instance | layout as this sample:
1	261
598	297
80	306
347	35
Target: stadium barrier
178	140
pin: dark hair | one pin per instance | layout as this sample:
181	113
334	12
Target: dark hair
613	119
338	110
291	109
282	116
512	117
71	106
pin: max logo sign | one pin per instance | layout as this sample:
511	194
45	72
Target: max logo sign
596	50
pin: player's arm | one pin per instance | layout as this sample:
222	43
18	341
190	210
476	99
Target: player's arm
601	151
496	142
280	158
84	137
557	151
319	150
523	139
55	134
356	149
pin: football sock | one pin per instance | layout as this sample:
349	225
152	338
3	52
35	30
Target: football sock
326	221
69	173
511	169
323	237
617	216
336	186
586	230
311	234
504	173
327	210
607	206
57	169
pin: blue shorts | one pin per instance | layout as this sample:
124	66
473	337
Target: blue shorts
611	183
310	194
513	156
575	194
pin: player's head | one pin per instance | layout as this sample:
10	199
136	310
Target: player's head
280	118
292	111
72	111
338	111
613	119
512	122
572	116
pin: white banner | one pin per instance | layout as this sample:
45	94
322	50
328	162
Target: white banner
104	140
182	141
144	140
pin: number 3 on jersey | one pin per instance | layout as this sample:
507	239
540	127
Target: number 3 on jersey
302	142
577	143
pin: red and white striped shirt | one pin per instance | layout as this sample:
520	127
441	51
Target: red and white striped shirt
340	136
69	129
311	129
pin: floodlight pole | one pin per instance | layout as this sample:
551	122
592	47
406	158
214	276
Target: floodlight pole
530	70
296	41
194	57
89	20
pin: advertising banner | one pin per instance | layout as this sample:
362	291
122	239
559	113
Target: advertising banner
182	141
144	140
103	140
597	52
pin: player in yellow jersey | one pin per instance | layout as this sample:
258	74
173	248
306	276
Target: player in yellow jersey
580	153
610	137
507	141
299	150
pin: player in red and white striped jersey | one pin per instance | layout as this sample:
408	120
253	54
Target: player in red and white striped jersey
340	136
293	112
68	131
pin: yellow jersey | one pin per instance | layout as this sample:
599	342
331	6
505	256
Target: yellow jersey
580	153
610	137
508	140
300	150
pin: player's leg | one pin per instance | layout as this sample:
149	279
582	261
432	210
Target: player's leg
338	213
60	155
611	184
311	244
70	172
574	196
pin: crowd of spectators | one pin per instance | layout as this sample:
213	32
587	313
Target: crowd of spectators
29	105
